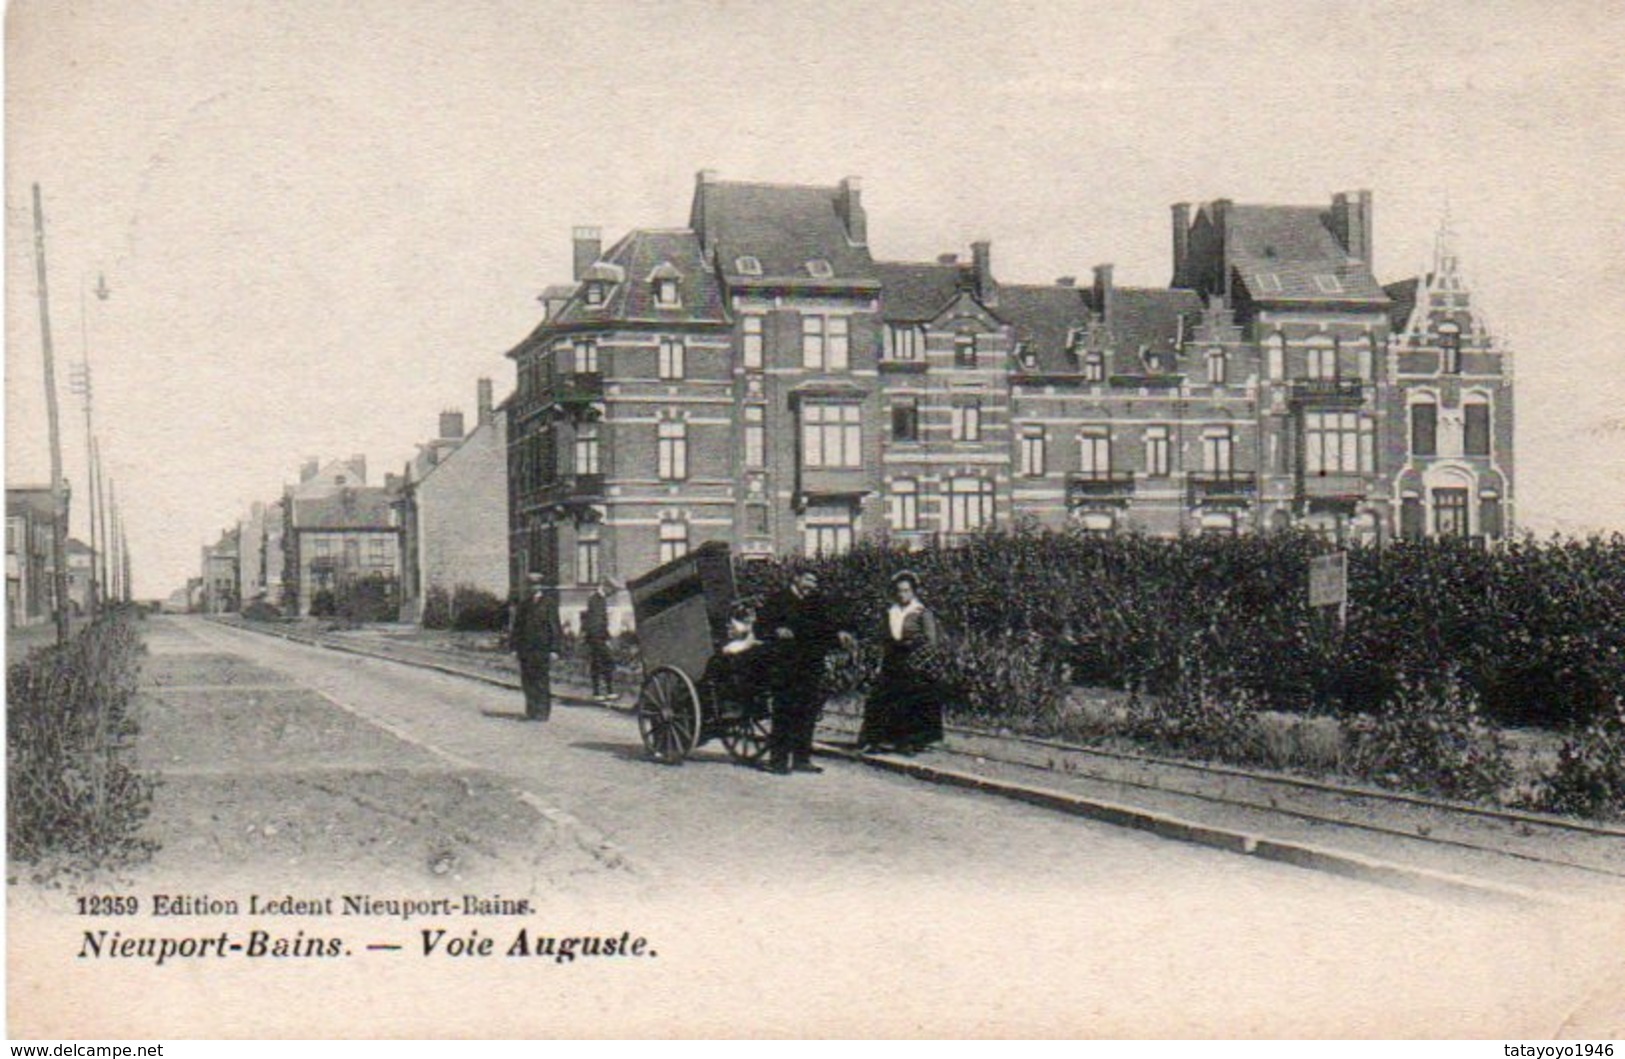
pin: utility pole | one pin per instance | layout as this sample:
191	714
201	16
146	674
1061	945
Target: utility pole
103	560
112	505
124	550
79	383
59	531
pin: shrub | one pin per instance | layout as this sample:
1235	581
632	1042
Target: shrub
1590	776
1001	679
259	610
476	610
374	598
323	604
436	609
1197	717
72	801
1430	737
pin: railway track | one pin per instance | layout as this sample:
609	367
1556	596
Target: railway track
1538	852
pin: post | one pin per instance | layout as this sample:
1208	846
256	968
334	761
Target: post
59	529
102	560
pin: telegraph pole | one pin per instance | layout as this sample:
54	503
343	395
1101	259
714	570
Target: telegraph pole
79	383
59	531
112	505
103	560
124	550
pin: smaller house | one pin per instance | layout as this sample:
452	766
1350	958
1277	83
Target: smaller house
342	544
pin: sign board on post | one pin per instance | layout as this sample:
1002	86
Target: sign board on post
1329	582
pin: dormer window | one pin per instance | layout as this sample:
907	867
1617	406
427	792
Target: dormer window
666	293
1328	284
1268	283
593	293
1094	366
749	266
1450	347
818	268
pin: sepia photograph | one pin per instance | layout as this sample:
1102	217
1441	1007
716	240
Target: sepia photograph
835	520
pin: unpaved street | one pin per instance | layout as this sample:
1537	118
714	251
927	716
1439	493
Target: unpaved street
854	902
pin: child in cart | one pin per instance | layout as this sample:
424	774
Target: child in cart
739	671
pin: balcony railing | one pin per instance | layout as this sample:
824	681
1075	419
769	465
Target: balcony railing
1082	485
1332	485
1222	485
578	387
1328	391
572	489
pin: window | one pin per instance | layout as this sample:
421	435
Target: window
1476	428
673	454
324	547
967	421
818	268
1032	451
837	355
1095	453
1338	443
828	532
831	435
1268	283
905	505
756	520
1217	524
666	293
964	351
587	552
1424	429
1218	451
812	342
377	551
755	437
587	449
586	355
1216	368
672	357
905	419
1328	284
1094	366
749	266
1096	523
594	293
1489	516
1450	512
1275	356
1450	348
902	343
1158	453
673	539
1322	361
1410	518
750	341
970	504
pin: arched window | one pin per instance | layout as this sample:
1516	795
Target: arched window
1450	348
1424	427
1275	356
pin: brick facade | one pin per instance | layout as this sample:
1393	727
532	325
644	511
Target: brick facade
758	378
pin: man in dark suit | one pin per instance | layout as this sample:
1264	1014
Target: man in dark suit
535	637
595	630
796	620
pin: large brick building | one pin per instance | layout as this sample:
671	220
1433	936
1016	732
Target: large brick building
758	377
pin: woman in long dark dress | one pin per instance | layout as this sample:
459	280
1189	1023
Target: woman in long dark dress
904	711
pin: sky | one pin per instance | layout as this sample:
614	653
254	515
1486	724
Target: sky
320	224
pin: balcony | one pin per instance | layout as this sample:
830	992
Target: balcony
1085	486
572	489
1341	486
1220	487
1337	392
578	387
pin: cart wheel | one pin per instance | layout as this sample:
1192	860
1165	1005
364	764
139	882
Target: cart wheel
669	715
746	739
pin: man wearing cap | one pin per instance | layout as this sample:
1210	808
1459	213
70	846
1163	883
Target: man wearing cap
796	621
535	636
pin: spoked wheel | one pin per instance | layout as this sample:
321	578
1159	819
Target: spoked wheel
746	738
669	715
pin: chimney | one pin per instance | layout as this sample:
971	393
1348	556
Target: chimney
947	259
308	469
1066	281
451	425
1351	223
1220	209
1182	243
483	401
1104	295
589	247
359	462
982	258
850	205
